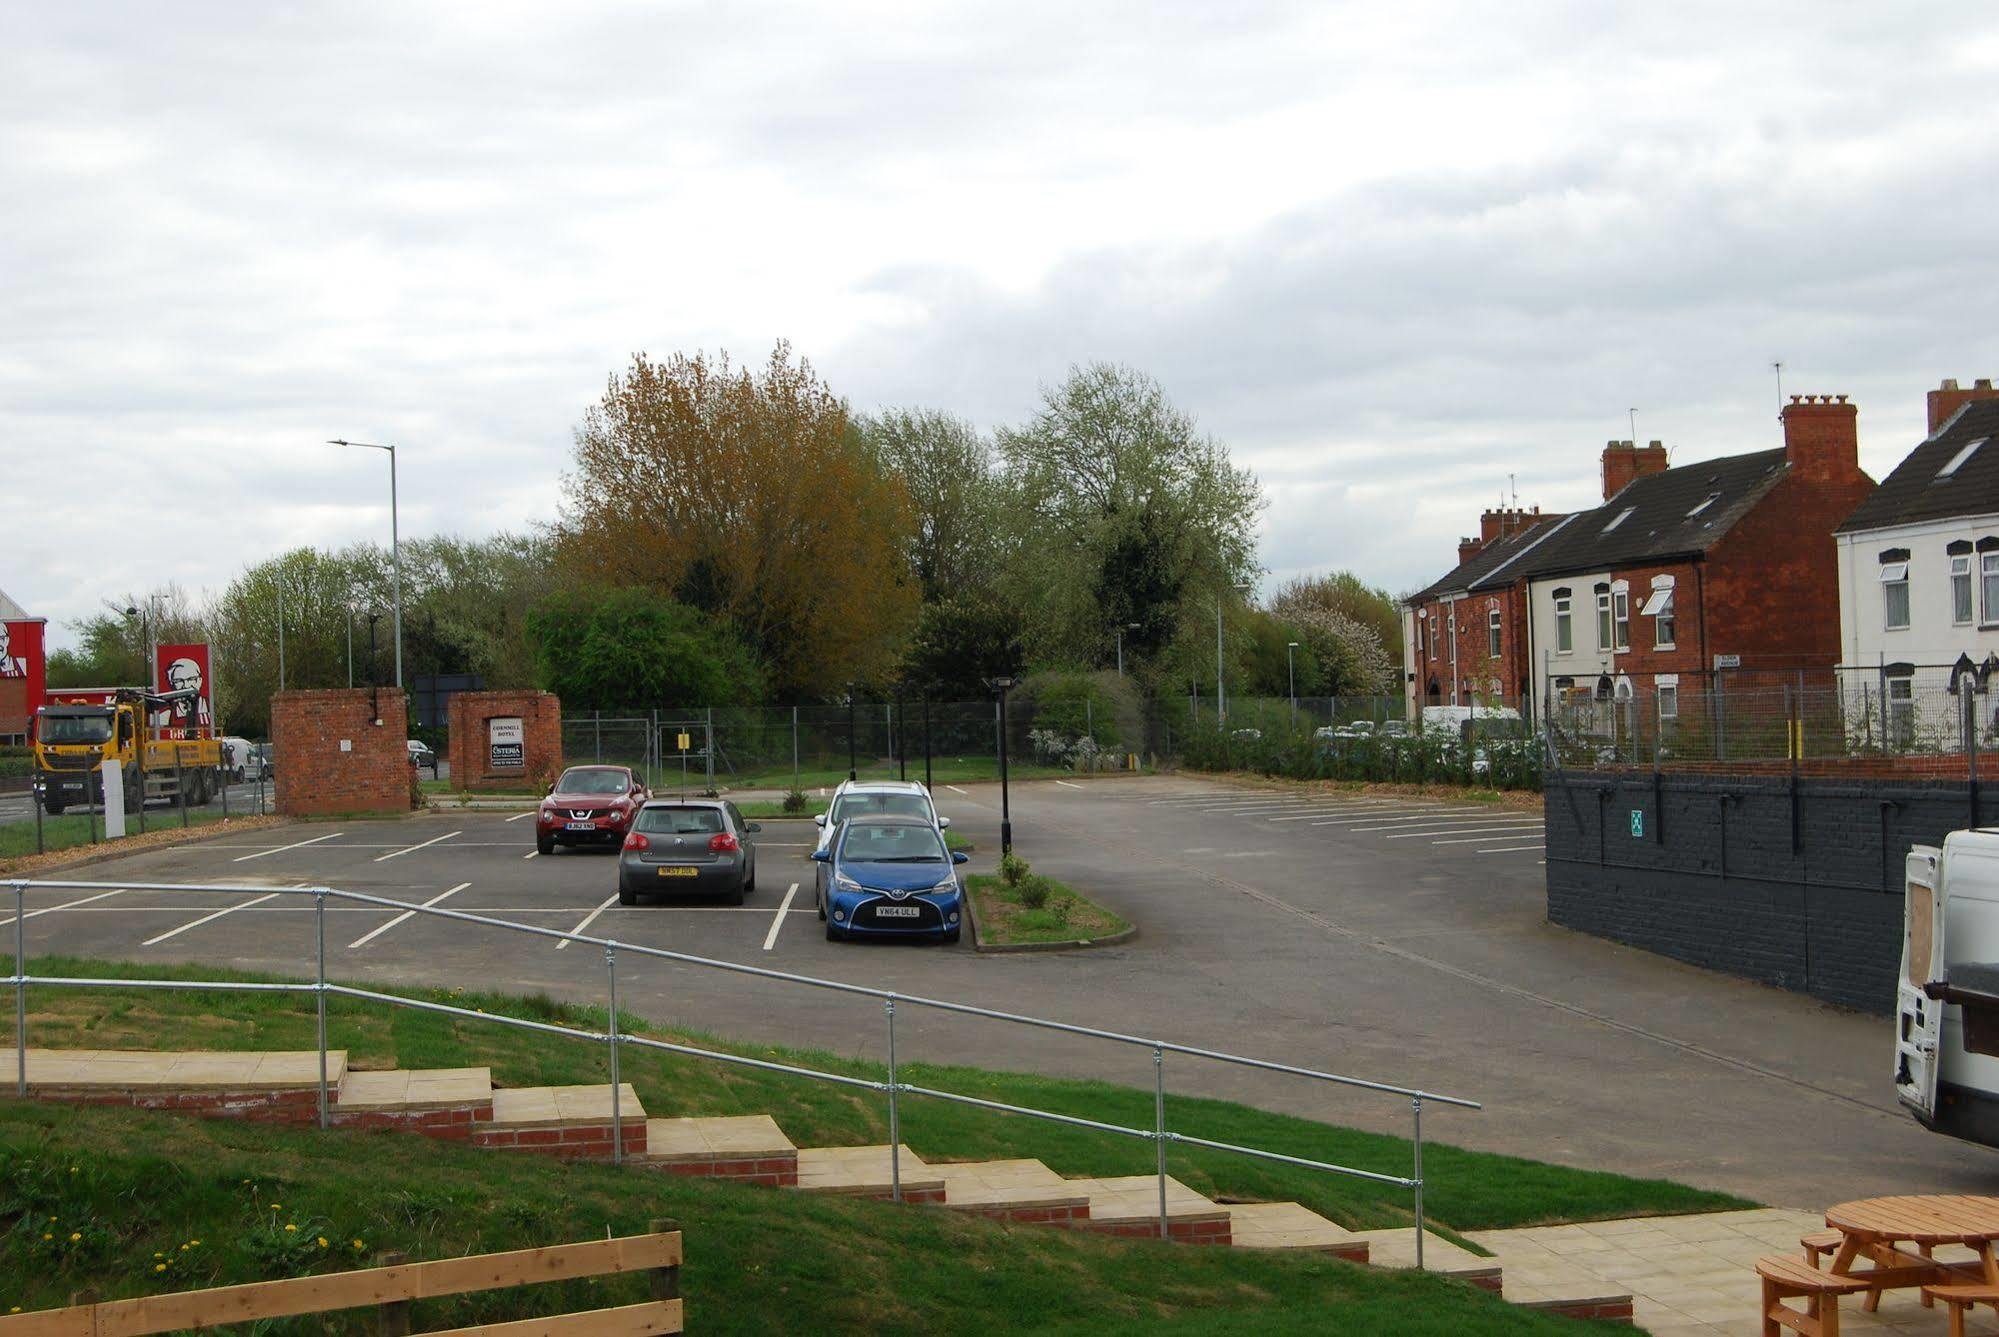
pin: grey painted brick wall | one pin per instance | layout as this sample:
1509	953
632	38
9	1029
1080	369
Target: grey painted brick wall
1733	873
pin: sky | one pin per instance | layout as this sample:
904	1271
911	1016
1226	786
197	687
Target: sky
1404	260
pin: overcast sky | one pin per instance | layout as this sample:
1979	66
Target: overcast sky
1390	254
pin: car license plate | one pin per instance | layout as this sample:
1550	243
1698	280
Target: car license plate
898	911
678	872
579	826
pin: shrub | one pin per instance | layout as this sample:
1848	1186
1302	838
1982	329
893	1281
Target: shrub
1033	892
1013	870
794	802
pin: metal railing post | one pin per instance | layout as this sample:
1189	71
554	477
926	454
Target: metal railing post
20	990
1416	1113
319	990
1159	1130
611	1036
894	1111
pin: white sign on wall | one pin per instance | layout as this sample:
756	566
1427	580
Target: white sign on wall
506	743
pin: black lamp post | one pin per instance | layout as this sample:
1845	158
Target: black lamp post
901	739
852	771
1001	686
926	739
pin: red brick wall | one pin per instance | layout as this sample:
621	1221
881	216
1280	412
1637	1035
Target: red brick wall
541	723
314	776
1949	397
1773	580
1474	649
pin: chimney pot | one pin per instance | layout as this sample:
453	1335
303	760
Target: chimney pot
1950	383
1949	397
1796	398
1982	383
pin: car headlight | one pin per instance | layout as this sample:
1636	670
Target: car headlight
948	887
841	882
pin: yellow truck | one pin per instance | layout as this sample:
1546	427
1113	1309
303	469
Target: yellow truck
73	739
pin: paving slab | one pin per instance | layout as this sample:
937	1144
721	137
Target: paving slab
1014	1183
1135	1198
423	1089
1397	1248
1286	1225
862	1171
732	1138
548	1106
188	1070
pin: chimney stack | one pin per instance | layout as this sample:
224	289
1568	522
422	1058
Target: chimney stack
1468	549
1623	461
1947	399
1822	437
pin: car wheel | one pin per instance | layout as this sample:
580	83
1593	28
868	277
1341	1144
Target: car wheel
833	934
736	896
626	896
750	883
819	904
544	844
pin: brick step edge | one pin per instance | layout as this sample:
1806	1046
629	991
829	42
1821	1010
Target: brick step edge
768	1171
1614	1308
574	1141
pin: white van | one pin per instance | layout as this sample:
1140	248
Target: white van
1947	994
237	761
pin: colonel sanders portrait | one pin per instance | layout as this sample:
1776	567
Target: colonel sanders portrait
182	675
11	665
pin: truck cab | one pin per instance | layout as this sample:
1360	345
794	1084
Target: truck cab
73	741
1947	991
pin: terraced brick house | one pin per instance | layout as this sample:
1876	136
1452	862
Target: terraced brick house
1463	637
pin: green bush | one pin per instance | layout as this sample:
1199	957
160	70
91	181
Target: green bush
1013	869
1495	761
795	802
1033	892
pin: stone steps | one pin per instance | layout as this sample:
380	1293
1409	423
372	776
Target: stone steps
748	1149
865	1172
1287	1225
1016	1190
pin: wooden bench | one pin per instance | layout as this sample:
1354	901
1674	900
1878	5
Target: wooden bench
1820	1244
1960	1299
1790	1279
393	1287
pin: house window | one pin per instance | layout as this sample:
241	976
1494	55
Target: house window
1988	588
1620	604
1895	593
1901	711
1565	622
1603	626
1960	589
1433	638
1492	632
1667	693
1420	637
1659	607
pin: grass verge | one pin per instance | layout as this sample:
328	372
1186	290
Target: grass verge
1464	1189
76	830
125	1203
1066	916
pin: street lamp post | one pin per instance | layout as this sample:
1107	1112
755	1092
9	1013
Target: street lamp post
1221	701
1129	626
852	770
350	642
279	586
395	547
1291	674
1001	686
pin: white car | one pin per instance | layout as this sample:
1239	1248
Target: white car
860	798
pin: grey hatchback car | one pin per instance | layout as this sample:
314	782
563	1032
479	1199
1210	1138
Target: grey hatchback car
702	846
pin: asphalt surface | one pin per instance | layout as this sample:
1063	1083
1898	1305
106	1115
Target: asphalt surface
1400	941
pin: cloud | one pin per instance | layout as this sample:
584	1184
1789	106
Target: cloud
1390	255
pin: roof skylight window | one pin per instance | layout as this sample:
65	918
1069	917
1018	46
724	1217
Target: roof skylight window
1957	460
1710	500
1619	518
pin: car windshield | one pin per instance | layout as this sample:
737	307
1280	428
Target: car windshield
681	821
92	728
592	780
849	806
892	844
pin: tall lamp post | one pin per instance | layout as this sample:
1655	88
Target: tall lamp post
351	610
1221	701
852	770
1291	673
1002	686
395	546
1129	626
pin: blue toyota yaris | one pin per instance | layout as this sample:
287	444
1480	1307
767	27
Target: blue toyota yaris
890	877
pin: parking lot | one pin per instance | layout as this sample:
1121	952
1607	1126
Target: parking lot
1398	939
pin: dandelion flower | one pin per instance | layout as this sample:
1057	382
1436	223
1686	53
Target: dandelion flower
159	1255
359	1245
159	1267
72	1169
48	1237
75	1235
322	1241
289	1227
277	1206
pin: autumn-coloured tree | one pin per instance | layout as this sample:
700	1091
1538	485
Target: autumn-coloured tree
747	496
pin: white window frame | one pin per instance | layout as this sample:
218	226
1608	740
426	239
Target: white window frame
1961	592
1433	638
1666	694
1565	624
1894	579
1901	709
1606	627
1620	616
1665	622
1492	631
1988	588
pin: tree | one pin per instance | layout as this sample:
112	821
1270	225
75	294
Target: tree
1127	513
947	469
747	496
1351	655
961	642
1345	592
620	649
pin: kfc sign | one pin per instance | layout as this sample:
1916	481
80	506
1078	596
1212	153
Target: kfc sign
23	674
176	669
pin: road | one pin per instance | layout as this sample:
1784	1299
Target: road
1397	940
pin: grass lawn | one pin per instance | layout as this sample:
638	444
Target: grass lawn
957	844
1465	1189
125	1203
1065	917
73	829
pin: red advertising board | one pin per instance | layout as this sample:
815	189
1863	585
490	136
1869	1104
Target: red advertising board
23	674
175	668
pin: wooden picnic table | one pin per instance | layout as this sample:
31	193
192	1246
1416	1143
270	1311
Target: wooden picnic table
1874	1228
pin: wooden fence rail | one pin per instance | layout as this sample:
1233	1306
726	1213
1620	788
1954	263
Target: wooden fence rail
391	1288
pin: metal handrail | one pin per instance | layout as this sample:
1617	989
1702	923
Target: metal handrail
614	1037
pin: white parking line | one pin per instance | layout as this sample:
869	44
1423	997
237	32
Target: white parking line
1384	820
282	848
1066	784
1459	831
528	813
1306	816
777	920
66	905
1509	849
1479	840
953	788
588	920
225	910
408	849
530	854
372	934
